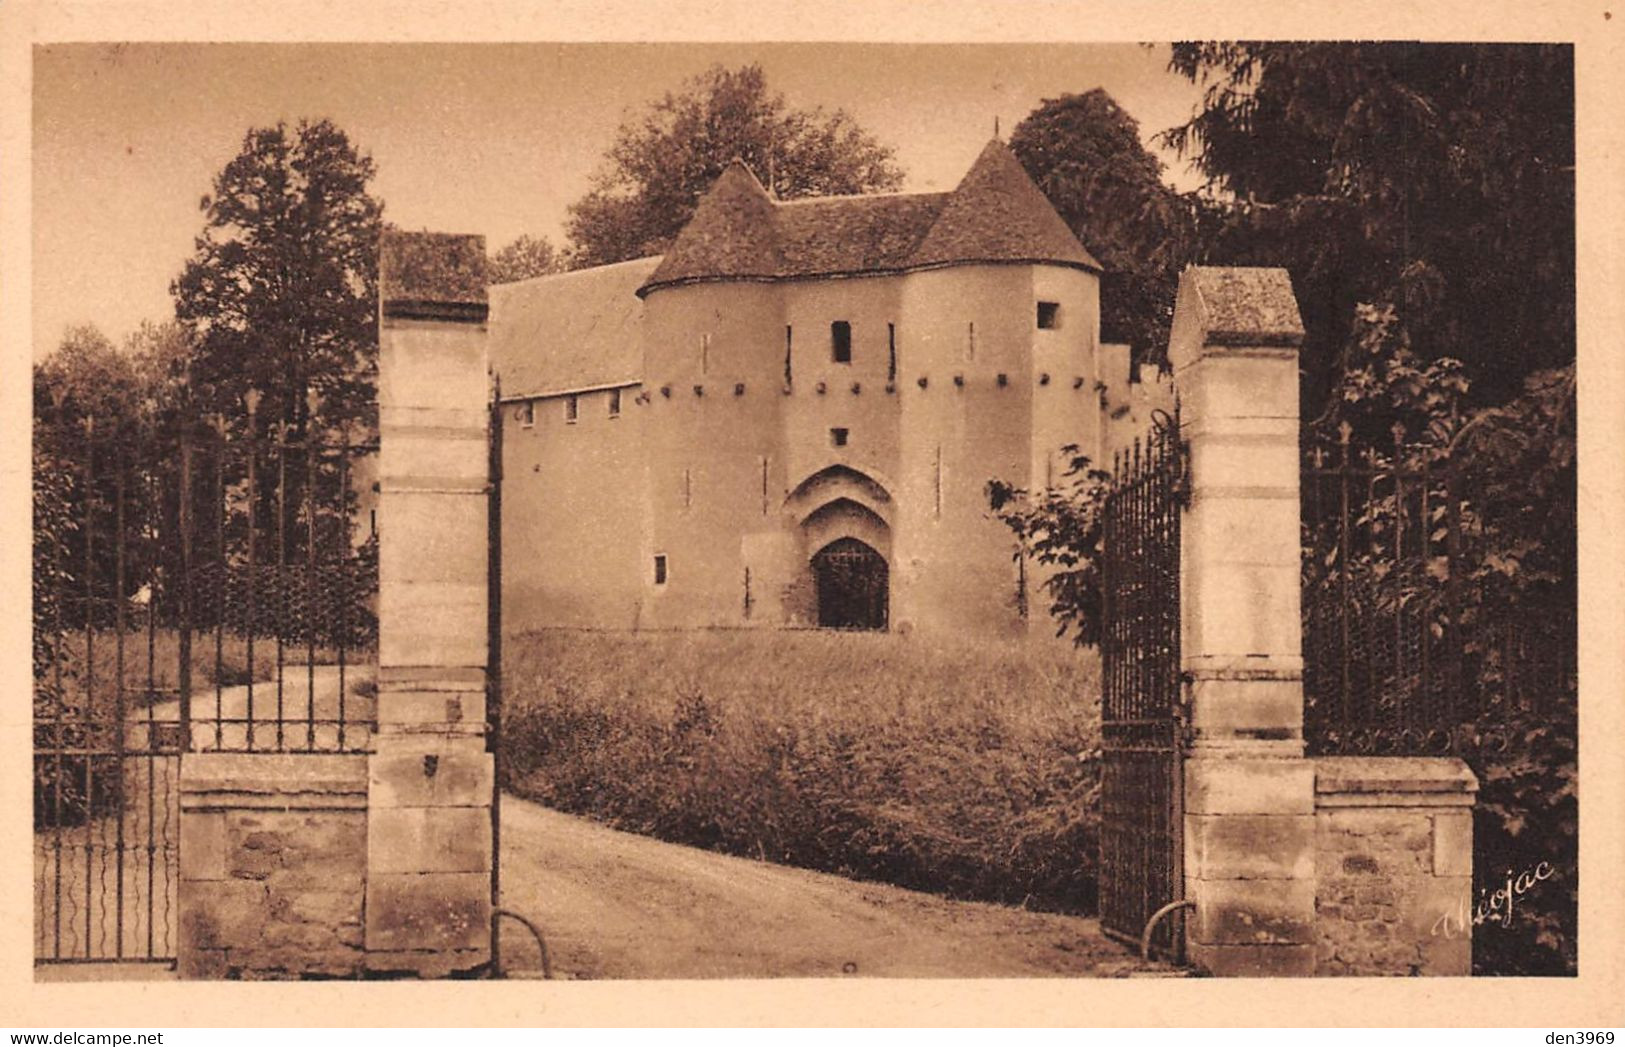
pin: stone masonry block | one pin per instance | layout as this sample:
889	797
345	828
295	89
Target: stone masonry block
1453	844
1249	847
431	367
1252	912
1252	468
1242	609
1441	780
442	539
411	706
1426	906
1250	529
431	624
1447	957
1239	704
198	964
433	772
425	964
436	912
203	845
1245	785
413	452
1224	386
429	839
1253	961
222	914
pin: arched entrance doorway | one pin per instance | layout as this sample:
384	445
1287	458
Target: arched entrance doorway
852	585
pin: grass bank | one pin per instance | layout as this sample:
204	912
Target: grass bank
964	768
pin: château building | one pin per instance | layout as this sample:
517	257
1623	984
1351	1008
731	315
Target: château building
791	418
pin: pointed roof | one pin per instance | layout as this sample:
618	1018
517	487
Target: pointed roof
996	214
731	234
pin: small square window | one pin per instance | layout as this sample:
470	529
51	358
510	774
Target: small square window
572	409
840	334
838	437
660	568
614	403
1049	315
526	413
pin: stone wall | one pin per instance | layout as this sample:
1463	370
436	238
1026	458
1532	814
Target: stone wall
1393	865
273	865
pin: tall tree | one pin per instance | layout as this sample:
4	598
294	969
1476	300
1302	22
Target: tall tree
662	162
522	259
281	295
1084	152
1438	178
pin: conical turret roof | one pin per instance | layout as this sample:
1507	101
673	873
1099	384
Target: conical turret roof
996	215
732	233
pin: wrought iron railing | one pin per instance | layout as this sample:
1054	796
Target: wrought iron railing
1141	790
1408	647
218	579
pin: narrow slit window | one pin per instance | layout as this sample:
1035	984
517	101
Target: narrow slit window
891	352
1049	315
614	403
788	344
660	568
688	489
970	341
705	353
527	413
838	437
572	409
939	482
840	334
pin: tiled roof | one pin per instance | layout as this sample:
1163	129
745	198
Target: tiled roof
731	234
995	215
855	233
579	330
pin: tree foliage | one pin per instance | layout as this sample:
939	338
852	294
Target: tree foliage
663	161
1435	178
1060	528
96	408
523	258
281	294
1084	152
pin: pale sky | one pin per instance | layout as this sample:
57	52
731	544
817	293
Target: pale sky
471	138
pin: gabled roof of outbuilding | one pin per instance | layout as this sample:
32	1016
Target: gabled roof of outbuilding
570	331
996	214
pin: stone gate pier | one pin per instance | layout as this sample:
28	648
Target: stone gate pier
1295	866
429	830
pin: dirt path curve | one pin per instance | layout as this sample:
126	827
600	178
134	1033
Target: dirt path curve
616	905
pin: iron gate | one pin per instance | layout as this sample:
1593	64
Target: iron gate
852	585
1141	867
196	588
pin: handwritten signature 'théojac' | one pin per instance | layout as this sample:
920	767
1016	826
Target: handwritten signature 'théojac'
1495	907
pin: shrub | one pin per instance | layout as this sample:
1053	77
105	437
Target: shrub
963	769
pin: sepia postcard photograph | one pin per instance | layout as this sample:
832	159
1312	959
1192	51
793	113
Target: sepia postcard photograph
891	509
